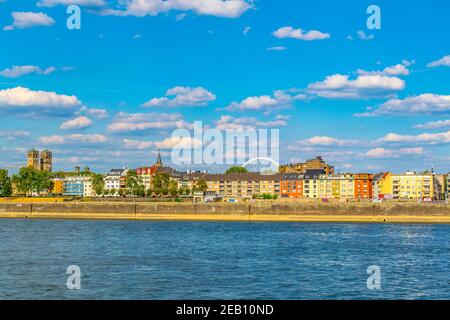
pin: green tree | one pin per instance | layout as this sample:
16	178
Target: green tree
161	183
173	188
42	181
98	183
200	186
236	169
5	184
23	180
134	183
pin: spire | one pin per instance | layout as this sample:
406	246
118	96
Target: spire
158	159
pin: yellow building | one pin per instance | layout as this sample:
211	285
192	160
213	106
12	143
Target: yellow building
412	186
311	185
347	186
58	186
382	185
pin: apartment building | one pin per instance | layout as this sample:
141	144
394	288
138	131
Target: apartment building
363	185
78	186
411	185
115	179
291	185
346	186
270	184
316	163
311	184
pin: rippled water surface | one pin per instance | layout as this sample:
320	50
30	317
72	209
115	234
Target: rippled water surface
213	260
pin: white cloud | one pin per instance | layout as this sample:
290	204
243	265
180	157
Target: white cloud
246	123
13	135
423	138
393	153
141	122
363	36
277	48
96	113
22	100
24	20
88	3
299	34
18	71
365	86
77	123
182	96
417	105
279	100
444	61
434	124
218	8
396	70
73	139
324	141
168	143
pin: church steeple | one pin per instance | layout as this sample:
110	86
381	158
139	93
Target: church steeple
158	159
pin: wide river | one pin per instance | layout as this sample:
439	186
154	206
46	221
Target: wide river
213	260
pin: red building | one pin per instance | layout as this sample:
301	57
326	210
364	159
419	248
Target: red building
363	185
291	185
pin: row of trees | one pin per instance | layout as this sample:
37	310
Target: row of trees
29	181
134	186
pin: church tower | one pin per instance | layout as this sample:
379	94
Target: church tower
158	160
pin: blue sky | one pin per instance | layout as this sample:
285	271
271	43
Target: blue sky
366	100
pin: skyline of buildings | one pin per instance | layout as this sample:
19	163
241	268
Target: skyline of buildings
315	180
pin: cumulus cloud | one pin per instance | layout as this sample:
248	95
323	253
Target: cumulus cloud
77	123
444	61
324	141
18	71
393	153
22	20
24	101
246	123
142	122
182	96
424	138
88	3
299	34
396	70
265	103
218	8
424	104
434	124
340	86
73	139
95	112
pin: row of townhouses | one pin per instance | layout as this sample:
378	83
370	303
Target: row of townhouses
313	184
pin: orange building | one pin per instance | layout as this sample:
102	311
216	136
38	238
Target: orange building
363	185
292	185
58	186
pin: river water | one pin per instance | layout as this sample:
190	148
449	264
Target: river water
215	260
